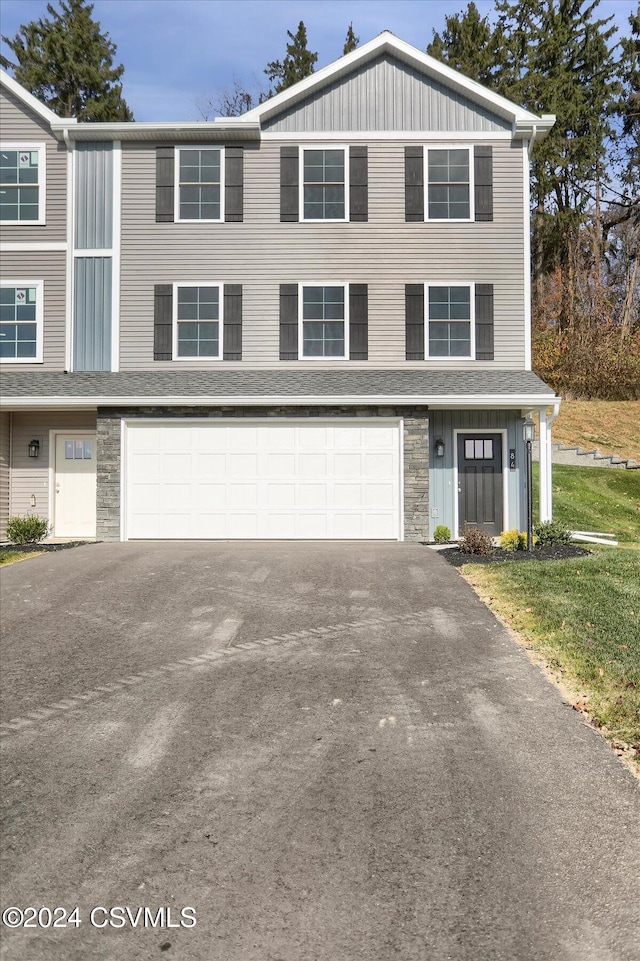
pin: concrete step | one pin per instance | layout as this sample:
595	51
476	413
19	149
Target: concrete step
578	457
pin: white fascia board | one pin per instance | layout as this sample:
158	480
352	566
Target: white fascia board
30	101
433	401
534	129
191	131
387	42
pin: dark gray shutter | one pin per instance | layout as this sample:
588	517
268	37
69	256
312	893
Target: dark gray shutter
232	326
358	184
358	322
484	321
289	178
233	184
413	184
163	322
288	321
414	318
483	182
165	177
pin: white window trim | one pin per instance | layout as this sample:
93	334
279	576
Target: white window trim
176	199
449	220
472	319
322	283
174	307
39	285
42	182
323	220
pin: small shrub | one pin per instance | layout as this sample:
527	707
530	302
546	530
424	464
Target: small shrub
551	532
513	540
28	529
476	541
442	534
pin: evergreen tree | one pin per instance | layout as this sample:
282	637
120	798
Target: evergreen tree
351	41
470	45
298	63
67	63
629	110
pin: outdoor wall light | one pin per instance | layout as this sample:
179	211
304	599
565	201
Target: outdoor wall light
34	448
440	448
529	430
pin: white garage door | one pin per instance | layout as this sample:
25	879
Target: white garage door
322	479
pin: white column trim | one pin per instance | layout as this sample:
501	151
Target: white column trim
526	254
115	263
71	214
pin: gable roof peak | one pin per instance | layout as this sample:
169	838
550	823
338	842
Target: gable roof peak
6	80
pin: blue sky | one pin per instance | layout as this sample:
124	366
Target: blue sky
177	53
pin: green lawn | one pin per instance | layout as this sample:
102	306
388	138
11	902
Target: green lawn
595	499
9	557
583	616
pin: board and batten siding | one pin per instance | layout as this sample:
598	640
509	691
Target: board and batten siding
19	124
50	267
442	493
261	253
5	453
30	476
385	94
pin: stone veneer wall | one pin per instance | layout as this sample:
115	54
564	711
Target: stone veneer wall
416	453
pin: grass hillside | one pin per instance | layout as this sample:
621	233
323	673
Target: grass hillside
611	426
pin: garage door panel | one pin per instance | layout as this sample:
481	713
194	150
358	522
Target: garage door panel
263	480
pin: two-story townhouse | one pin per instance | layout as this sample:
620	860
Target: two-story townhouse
312	321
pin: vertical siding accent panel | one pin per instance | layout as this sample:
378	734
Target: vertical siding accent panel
288	321
49	266
232	322
18	123
385	94
92	313
94	196
385	253
5	448
30	476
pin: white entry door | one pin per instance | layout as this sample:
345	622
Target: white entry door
74	489
257	479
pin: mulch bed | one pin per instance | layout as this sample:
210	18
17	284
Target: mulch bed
30	548
557	552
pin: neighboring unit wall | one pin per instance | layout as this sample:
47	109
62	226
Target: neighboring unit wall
30	476
415	446
50	267
18	124
386	253
443	494
5	453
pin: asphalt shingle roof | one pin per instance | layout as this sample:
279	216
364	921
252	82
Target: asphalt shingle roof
271	383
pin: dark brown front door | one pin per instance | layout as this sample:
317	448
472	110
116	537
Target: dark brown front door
480	482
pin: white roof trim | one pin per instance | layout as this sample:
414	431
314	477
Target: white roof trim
387	42
286	400
32	102
146	130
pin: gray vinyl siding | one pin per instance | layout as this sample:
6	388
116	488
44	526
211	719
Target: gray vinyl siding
50	267
94	196
386	253
92	313
18	124
385	94
442	492
30	476
5	451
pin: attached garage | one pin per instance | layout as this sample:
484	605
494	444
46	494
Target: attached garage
263	479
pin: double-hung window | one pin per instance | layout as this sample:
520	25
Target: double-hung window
449	185
22	183
324	194
324	321
450	320
197	328
200	183
21	312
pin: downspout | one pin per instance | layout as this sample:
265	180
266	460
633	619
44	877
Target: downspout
69	272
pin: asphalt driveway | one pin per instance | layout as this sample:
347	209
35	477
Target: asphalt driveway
315	751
